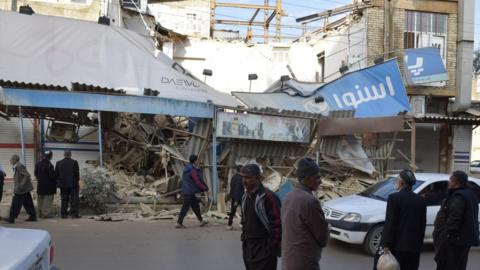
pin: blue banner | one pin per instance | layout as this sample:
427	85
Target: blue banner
424	65
376	91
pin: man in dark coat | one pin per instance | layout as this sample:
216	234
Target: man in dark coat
456	225
305	230
67	173
236	193
21	188
192	183
46	185
405	223
2	179
261	222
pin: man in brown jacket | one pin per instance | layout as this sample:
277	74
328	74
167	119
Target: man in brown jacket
22	187
305	231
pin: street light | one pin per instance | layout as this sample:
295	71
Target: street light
252	77
207	72
343	69
283	79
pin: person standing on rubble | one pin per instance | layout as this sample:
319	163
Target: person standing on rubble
21	188
305	230
46	185
261	222
192	183
236	193
68	177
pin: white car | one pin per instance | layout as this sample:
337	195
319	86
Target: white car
358	219
25	249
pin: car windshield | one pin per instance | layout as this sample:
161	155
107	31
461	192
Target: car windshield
382	190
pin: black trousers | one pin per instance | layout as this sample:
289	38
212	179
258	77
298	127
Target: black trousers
24	200
233	211
452	257
189	201
70	198
407	260
259	255
1	193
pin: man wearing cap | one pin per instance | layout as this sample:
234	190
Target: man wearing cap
261	222
305	230
68	176
46	185
405	223
21	188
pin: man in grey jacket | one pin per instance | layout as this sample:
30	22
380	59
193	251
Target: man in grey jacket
305	231
21	188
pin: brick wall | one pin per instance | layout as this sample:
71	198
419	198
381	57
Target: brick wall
375	33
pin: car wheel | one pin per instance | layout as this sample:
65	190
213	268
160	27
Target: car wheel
372	241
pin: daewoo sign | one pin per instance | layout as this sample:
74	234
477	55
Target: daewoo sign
180	82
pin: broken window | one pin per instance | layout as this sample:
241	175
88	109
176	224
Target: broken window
424	29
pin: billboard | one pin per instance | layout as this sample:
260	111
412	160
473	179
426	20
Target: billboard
376	91
263	127
424	65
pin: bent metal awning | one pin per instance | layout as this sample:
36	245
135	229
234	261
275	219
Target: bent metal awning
85	101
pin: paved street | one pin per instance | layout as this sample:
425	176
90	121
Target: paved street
87	244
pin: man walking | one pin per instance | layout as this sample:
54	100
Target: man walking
236	193
405	223
456	225
262	226
46	185
2	179
68	176
192	183
21	188
305	230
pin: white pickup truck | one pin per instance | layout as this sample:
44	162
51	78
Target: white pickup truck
25	249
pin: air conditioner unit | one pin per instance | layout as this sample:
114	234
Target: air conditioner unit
62	132
418	105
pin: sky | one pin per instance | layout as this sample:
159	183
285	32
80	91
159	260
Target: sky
299	8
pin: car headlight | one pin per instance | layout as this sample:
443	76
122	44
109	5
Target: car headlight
352	217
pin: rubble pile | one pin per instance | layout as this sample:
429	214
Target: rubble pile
144	153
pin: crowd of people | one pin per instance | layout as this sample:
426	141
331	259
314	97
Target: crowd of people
65	176
297	231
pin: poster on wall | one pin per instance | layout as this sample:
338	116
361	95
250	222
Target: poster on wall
263	127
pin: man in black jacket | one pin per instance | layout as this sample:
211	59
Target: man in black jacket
46	185
456	225
68	176
405	223
236	193
261	222
2	179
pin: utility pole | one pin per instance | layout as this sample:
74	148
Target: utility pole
14	5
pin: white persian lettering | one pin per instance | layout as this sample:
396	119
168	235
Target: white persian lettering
368	94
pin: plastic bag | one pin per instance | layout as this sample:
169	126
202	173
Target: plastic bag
388	262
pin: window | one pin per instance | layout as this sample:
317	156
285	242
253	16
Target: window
192	22
423	29
280	54
435	193
382	190
321	63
